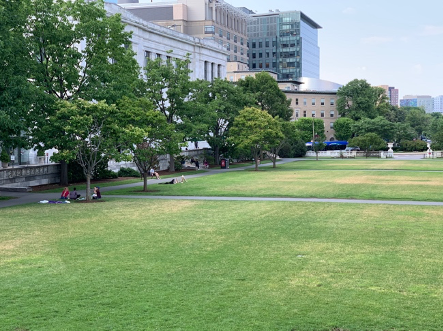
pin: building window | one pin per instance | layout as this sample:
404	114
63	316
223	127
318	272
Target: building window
304	113
260	55
235	48
253	44
267	43
260	44
322	113
260	65
235	38
241	41
219	69
254	55
313	101
228	46
241	50
331	125
228	35
331	113
296	114
220	33
235	57
332	102
209	29
313	113
322	101
267	54
267	64
296	101
305	102
147	57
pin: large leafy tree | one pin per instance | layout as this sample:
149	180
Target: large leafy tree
291	137
90	131
78	51
358	99
168	87
343	128
311	128
368	142
255	131
417	118
16	92
211	112
267	95
379	125
144	133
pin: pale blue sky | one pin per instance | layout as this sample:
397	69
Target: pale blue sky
390	42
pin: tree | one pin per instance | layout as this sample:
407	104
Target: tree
418	120
358	99
90	131
310	128
16	92
343	128
267	95
144	133
368	142
255	131
211	111
379	125
78	51
168	87
291	137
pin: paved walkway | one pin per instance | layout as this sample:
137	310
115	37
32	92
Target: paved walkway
27	197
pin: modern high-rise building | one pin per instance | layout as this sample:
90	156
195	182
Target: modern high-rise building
438	104
285	42
424	101
392	94
206	19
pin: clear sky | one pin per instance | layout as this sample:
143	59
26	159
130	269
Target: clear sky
391	42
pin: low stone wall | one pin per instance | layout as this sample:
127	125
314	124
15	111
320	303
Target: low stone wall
32	175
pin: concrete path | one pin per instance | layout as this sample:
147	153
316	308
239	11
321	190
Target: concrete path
21	198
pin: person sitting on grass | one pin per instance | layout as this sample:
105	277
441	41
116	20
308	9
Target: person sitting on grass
156	175
173	181
74	195
96	194
183	179
65	193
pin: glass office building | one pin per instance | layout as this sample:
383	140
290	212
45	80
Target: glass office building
284	42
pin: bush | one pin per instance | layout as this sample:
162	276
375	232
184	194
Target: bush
4	156
413	145
128	172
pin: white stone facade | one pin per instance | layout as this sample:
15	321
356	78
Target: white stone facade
208	58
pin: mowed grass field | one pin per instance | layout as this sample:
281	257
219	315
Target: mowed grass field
420	180
134	264
203	265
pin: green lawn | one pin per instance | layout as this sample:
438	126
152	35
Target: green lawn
196	265
413	180
80	187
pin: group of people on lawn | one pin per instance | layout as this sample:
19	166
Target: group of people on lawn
73	195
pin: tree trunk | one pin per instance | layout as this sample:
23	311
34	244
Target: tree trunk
171	163
63	173
217	155
145	181
316	156
88	187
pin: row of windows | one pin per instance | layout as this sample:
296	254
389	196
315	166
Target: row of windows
210	29
313	113
314	100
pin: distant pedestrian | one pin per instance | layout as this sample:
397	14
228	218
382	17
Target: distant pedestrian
197	165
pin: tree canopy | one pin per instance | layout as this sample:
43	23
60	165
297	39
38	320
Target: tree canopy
358	99
255	131
267	95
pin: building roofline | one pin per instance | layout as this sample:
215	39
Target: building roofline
303	17
310	92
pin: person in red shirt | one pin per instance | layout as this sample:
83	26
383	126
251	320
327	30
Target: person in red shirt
65	193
